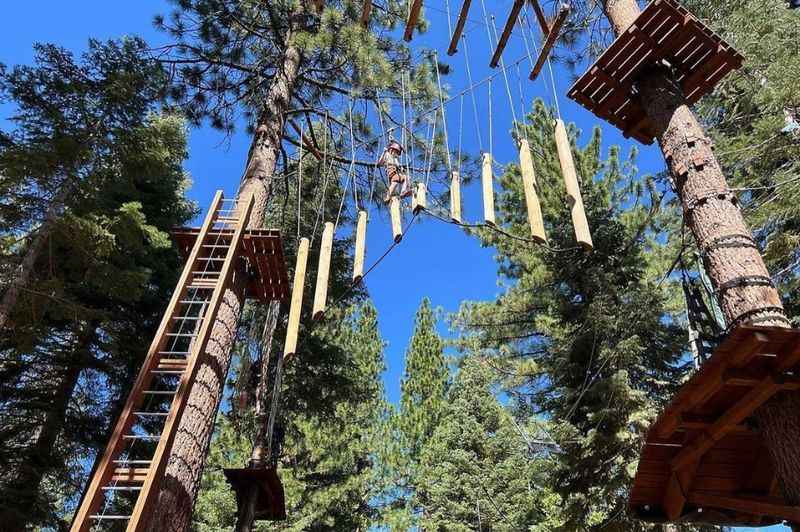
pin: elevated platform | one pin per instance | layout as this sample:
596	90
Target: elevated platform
271	504
664	30
263	249
702	462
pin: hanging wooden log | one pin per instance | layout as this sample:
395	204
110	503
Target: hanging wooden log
323	272
582	233
550	40
540	17
361	247
413	18
509	27
488	189
531	197
459	29
397	226
366	11
420	200
293	326
455	197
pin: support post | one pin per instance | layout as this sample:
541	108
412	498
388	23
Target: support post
413	17
531	197
397	227
455	196
550	40
488	189
323	272
582	233
459	29
420	202
361	247
507	29
366	11
296	307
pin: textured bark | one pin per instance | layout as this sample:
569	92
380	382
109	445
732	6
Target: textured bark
23	489
712	213
179	488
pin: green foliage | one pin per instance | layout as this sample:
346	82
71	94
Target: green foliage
585	338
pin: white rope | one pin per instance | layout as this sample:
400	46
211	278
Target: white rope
505	77
472	93
444	116
300	178
411	132
460	130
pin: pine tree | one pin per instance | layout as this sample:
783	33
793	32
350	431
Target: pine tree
93	294
477	471
585	339
277	65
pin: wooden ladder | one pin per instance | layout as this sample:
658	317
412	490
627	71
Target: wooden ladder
127	478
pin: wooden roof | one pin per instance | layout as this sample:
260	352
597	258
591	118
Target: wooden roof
702	462
263	249
664	30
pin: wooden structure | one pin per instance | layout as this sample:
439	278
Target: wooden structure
323	272
296	307
413	18
270	503
507	29
128	475
420	200
664	31
582	233
550	33
702	462
397	224
535	219
487	179
361	247
459	29
455	196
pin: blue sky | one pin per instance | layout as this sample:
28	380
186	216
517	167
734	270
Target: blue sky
435	260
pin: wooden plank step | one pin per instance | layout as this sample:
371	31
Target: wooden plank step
136	475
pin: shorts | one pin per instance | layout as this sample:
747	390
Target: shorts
394	175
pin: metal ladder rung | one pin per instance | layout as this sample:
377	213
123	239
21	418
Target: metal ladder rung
186	353
122	488
226	246
212	259
192	302
150	414
188	318
150	437
158	392
99	517
141	462
167	371
182	335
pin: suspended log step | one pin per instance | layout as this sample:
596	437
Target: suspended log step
361	247
487	180
582	233
413	18
550	38
455	196
535	219
323	272
459	29
664	30
419	201
296	306
507	29
701	455
366	11
397	224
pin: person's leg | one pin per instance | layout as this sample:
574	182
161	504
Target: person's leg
390	191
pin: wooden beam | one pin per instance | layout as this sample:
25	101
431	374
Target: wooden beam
509	27
750	505
540	17
419	201
323	272
487	179
534	208
455	197
550	41
361	247
413	18
680	483
397	225
462	19
366	10
299	283
582	233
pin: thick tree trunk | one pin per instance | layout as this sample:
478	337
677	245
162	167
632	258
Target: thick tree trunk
23	490
736	268
25	268
173	510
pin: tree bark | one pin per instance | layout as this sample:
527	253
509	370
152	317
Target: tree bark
25	268
711	211
181	483
23	490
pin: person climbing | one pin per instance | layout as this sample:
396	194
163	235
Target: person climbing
390	159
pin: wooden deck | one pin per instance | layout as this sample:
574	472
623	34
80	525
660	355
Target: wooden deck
663	31
263	249
702	461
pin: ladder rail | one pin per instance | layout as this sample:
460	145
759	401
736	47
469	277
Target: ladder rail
94	496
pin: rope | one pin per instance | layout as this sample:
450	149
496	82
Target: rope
472	93
444	116
353	155
505	77
299	179
460	130
430	158
411	132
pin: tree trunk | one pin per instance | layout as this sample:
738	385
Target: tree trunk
25	268
23	489
736	269
181	483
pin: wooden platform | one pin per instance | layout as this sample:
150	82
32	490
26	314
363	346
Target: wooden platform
263	249
702	462
664	30
271	504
